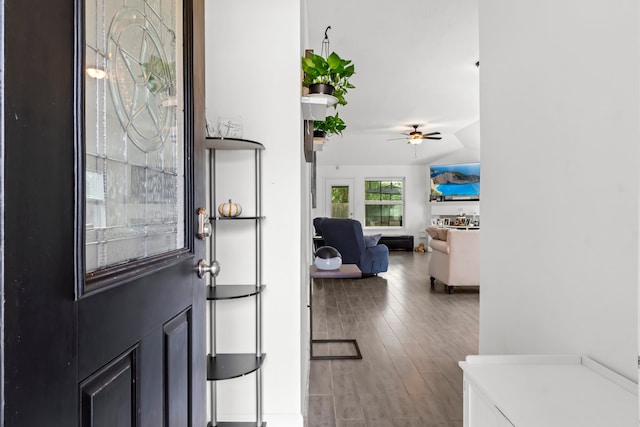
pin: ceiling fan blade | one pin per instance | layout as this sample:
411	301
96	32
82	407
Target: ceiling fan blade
395	139
432	137
431	133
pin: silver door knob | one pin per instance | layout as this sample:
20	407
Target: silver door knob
203	268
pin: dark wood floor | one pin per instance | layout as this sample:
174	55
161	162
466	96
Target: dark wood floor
411	338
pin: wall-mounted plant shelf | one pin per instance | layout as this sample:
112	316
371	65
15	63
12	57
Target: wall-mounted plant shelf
314	106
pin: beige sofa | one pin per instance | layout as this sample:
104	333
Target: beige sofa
455	260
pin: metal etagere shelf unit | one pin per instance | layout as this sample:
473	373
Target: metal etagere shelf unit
226	366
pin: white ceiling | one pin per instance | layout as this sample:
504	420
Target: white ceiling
415	64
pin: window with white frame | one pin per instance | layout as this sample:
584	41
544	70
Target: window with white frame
384	202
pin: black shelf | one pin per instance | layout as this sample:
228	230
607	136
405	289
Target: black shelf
220	292
236	424
224	366
234	218
216	143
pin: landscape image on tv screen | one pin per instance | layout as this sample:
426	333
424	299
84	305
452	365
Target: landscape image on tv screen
455	182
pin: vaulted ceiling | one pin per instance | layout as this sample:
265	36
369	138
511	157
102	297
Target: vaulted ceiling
415	64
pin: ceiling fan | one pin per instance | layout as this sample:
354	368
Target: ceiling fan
416	136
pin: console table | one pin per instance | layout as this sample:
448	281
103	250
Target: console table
346	271
397	242
549	391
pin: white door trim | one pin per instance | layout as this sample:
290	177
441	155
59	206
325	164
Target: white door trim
329	184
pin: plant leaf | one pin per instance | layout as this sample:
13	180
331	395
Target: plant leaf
334	61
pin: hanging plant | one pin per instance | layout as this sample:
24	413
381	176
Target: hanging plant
332	125
333	71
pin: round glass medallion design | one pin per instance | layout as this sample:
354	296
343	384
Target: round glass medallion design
141	80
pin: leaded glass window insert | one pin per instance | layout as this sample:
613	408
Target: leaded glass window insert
134	130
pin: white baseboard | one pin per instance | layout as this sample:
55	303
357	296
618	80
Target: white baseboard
276	420
284	420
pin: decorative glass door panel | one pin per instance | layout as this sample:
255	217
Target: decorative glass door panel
339	201
339	197
134	130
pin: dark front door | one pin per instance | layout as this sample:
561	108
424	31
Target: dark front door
102	174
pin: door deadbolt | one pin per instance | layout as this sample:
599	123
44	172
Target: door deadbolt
204	225
203	268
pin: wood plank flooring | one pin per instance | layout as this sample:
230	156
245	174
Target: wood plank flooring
411	338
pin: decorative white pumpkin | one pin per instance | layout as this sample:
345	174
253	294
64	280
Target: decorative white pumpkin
229	209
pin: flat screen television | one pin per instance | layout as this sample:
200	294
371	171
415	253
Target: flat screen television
455	182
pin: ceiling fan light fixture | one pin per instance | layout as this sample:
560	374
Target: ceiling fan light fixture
415	137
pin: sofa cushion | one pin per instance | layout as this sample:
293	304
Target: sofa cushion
437	233
440	245
432	231
372	240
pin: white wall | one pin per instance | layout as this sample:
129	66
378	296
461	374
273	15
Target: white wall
560	159
418	209
252	71
306	242
416	215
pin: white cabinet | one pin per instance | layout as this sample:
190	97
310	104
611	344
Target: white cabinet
549	391
454	208
451	210
482	410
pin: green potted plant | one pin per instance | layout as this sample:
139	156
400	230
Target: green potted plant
333	71
332	125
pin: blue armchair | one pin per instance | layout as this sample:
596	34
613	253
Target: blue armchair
346	236
318	241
